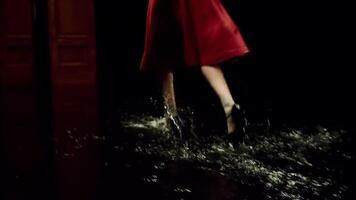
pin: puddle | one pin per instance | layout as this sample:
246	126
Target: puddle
144	160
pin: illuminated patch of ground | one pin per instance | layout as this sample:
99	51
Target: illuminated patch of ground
282	164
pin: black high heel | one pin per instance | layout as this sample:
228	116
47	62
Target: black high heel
238	116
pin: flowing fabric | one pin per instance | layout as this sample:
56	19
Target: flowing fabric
189	33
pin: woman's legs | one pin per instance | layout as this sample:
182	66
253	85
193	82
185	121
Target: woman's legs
216	79
167	81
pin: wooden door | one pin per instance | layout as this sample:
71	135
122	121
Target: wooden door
74	104
21	153
72	36
73	74
16	48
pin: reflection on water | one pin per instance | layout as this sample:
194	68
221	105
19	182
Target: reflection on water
287	163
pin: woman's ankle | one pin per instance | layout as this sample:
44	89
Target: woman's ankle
170	111
228	107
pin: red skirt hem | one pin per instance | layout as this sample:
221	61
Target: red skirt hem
189	33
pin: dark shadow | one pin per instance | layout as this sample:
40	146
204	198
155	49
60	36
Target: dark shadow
284	80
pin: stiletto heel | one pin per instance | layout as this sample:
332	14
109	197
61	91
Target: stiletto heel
240	121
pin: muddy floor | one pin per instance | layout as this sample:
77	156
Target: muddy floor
143	159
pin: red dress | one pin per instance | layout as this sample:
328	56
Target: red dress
189	33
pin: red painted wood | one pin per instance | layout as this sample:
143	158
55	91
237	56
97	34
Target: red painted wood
20	144
72	35
73	74
16	48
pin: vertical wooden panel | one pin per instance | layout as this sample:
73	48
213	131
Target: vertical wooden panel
20	147
16	46
73	65
73	42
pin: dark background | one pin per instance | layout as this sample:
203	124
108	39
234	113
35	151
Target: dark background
299	68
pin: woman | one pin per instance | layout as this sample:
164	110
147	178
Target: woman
194	33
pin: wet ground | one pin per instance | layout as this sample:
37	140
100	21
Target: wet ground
142	159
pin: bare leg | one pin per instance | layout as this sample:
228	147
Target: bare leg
216	79
166	78
167	81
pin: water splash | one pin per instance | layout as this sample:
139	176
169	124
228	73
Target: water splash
289	163
285	164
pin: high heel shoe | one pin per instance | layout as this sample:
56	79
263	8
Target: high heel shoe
240	121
